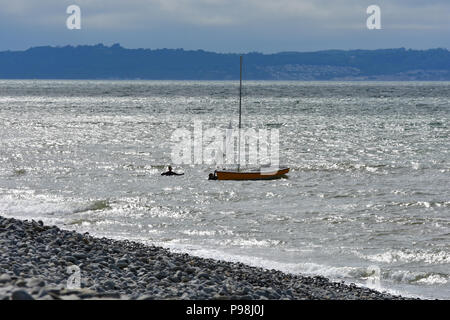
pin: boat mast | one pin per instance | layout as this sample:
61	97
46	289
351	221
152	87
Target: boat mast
240	105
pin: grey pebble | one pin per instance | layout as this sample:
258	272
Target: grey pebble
36	256
5	278
21	295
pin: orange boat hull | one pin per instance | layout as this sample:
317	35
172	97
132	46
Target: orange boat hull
251	175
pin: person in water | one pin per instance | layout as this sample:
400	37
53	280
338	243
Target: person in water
171	173
212	176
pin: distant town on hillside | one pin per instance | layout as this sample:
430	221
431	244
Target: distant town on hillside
115	62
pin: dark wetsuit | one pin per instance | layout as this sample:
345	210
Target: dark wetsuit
212	176
171	173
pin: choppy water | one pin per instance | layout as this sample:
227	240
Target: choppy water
369	186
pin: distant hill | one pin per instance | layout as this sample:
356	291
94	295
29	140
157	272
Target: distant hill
116	62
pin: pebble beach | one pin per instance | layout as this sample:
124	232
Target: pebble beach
35	259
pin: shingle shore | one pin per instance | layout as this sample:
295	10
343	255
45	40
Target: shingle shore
34	262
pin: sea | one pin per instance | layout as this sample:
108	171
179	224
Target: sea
367	200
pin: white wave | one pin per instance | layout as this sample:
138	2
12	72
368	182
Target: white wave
199	232
51	209
240	242
334	273
405	276
440	257
416	165
433	279
304	268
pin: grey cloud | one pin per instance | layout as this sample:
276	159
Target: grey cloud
244	21
138	13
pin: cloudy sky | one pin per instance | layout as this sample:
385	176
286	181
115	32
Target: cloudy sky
227	25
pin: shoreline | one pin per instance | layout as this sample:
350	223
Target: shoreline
35	261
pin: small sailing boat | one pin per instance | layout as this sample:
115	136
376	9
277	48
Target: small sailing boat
264	173
258	174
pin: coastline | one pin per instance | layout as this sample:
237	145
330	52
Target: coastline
35	260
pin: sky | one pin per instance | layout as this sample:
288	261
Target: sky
238	26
